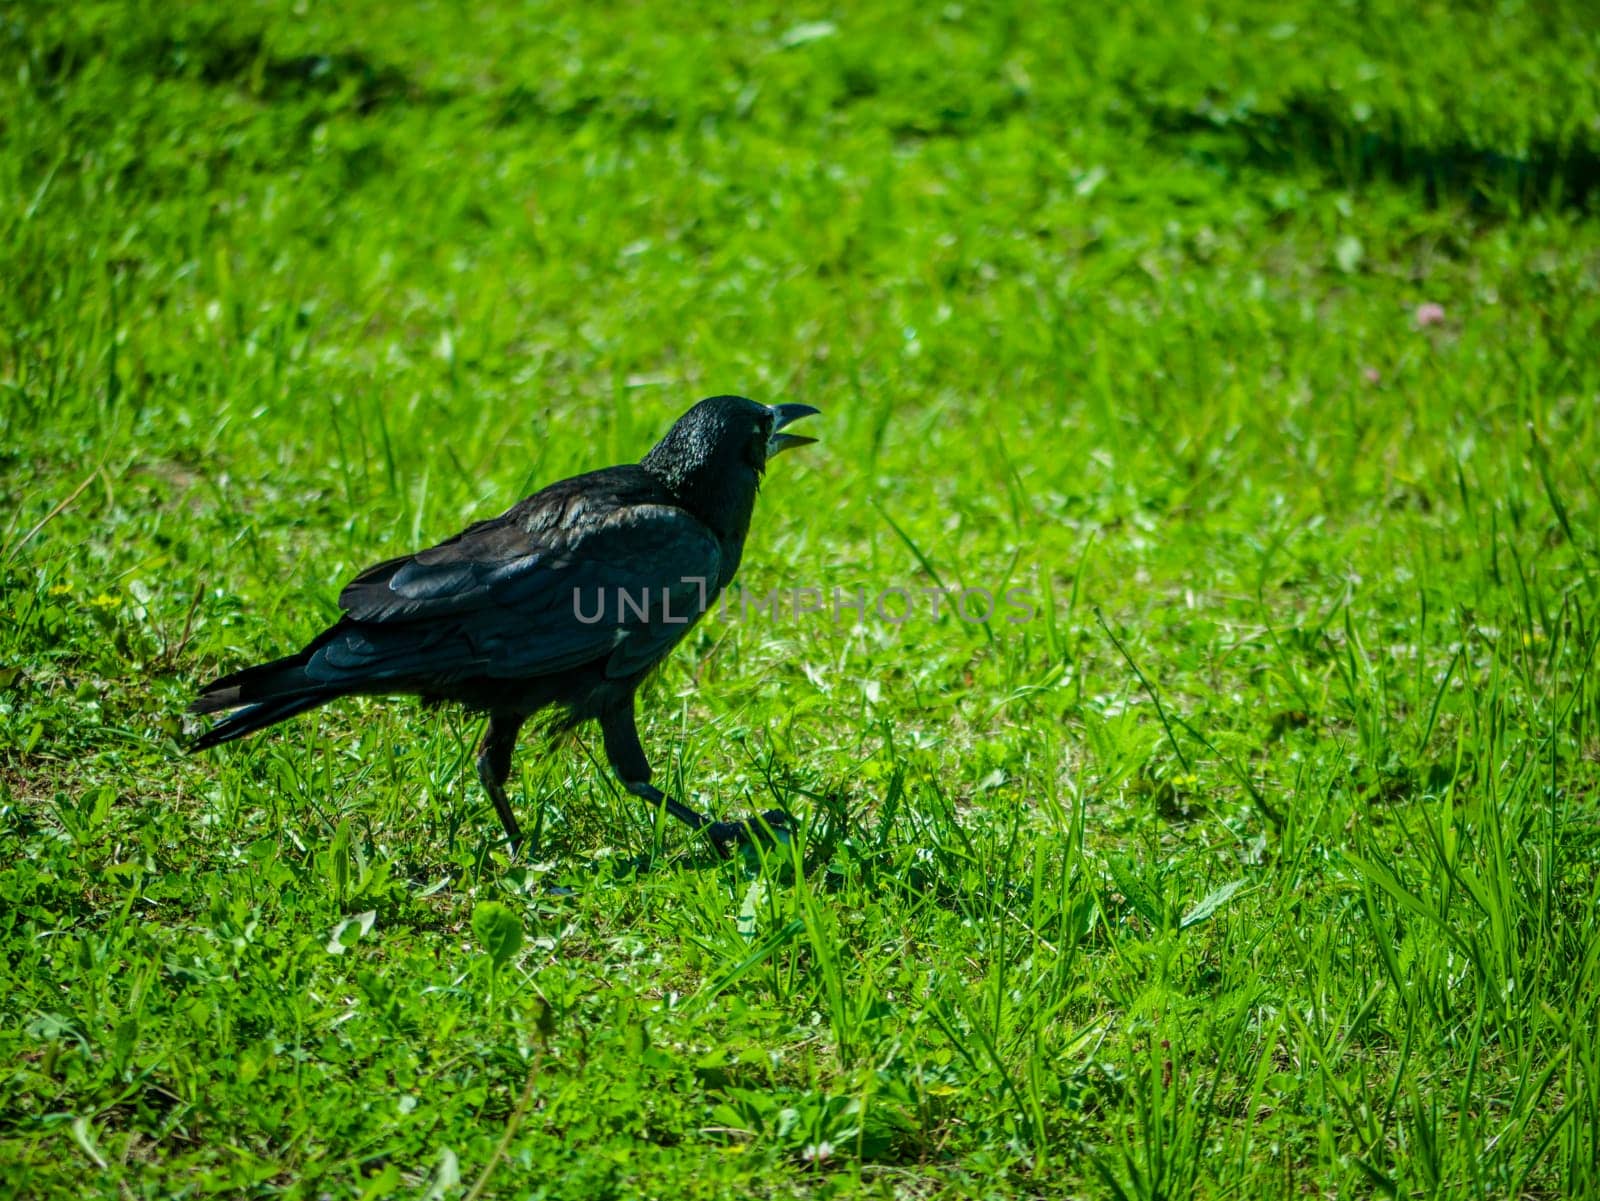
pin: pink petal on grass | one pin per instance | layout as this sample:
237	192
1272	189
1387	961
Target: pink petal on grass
1428	314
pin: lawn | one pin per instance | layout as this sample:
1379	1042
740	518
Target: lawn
1250	348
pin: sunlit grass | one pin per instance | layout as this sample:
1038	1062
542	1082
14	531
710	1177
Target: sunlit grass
1253	348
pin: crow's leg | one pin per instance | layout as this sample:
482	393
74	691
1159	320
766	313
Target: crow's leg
626	755
494	765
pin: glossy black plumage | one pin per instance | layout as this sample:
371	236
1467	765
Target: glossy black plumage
526	611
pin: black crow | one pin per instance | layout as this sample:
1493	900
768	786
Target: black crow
565	601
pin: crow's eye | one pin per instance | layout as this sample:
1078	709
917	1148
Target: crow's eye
756	449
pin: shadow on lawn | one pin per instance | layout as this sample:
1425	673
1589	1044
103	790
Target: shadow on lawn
1311	129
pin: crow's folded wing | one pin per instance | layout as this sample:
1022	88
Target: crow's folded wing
505	602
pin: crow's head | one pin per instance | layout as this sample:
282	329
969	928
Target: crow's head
713	455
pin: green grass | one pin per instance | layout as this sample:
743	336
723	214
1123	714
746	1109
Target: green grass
1262	862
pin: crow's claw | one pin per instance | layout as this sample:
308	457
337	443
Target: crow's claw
724	837
772	827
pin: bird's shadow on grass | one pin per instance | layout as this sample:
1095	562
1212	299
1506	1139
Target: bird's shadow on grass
846	839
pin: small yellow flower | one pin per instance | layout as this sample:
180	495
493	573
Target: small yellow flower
105	601
60	589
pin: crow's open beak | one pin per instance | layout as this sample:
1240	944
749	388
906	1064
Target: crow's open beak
782	415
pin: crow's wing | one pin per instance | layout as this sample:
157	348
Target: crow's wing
508	599
452	577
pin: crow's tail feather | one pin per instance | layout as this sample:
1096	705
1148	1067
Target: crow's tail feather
263	696
257	717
